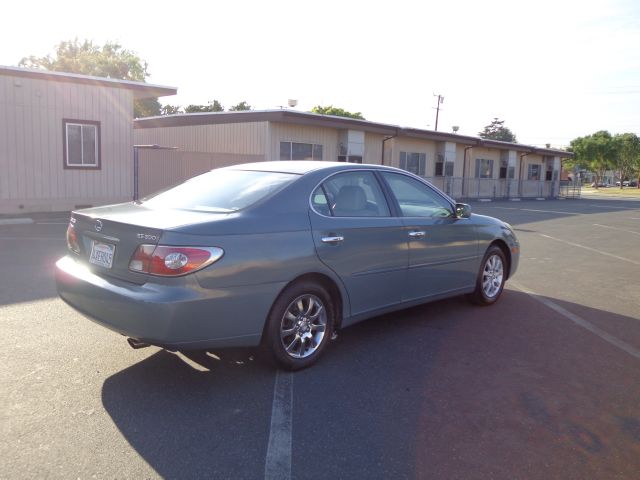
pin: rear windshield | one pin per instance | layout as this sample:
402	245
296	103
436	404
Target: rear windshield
221	191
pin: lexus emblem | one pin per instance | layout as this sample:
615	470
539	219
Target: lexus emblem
98	225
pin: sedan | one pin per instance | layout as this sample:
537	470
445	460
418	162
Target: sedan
279	255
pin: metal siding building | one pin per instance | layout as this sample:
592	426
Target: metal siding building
39	110
67	141
209	140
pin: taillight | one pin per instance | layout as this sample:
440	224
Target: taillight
169	261
72	239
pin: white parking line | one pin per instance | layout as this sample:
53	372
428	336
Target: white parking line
616	228
614	207
278	461
15	221
590	249
38	239
607	337
538	211
548	211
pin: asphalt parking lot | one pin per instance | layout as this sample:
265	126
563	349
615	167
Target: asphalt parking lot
545	384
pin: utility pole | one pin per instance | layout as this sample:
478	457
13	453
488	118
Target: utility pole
440	101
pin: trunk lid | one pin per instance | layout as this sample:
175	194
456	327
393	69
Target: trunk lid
109	236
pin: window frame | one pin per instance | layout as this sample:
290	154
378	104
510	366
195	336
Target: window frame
314	148
422	162
443	168
65	144
478	173
530	169
386	195
393	200
391	213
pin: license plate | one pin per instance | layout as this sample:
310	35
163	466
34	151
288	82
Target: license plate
102	254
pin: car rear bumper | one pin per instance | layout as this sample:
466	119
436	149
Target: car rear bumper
183	316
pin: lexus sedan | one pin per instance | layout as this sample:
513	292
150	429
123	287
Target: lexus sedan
278	254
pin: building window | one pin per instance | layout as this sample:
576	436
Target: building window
413	162
484	168
350	158
443	169
550	173
81	144
300	151
503	169
533	172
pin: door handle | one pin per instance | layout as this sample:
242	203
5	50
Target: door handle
418	234
335	239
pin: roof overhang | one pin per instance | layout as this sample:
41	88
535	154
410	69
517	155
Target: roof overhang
139	89
330	121
281	116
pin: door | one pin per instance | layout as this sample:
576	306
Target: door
443	249
356	236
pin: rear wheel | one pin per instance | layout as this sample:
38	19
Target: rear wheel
491	277
300	325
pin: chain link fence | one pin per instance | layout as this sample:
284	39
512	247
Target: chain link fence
476	188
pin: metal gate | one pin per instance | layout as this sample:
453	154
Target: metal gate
569	189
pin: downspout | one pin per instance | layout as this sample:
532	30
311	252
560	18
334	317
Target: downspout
464	165
520	174
384	140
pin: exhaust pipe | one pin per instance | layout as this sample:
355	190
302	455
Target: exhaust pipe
136	344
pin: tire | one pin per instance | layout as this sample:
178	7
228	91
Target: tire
300	325
491	277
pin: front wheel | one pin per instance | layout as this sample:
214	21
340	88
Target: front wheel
300	325
491	277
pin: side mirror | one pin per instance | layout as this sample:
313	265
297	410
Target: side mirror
463	210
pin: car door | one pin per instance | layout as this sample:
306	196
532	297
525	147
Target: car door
357	237
443	249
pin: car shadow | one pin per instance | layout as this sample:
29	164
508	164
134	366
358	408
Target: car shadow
195	415
446	387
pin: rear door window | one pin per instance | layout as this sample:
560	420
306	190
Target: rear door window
351	194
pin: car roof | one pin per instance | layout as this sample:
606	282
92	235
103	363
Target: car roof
299	167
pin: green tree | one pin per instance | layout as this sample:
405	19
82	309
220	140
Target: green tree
109	60
338	112
627	159
146	107
212	106
170	109
595	152
242	106
497	131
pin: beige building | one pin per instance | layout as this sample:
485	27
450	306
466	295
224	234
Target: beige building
462	166
66	140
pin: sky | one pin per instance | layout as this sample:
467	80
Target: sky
553	70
